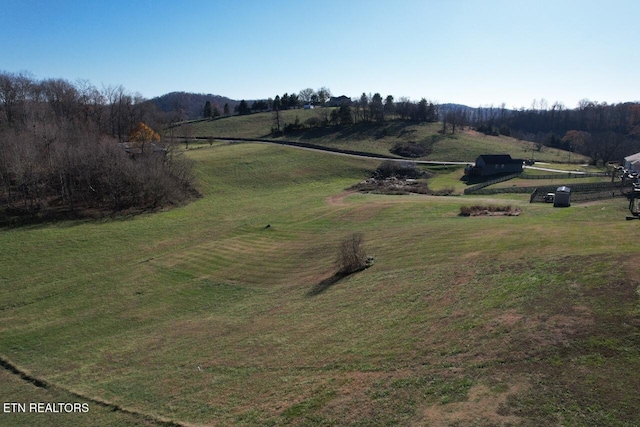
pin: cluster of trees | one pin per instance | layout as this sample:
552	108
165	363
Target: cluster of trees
603	132
366	108
71	147
278	103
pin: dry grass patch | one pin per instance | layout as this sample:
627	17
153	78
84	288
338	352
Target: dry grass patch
483	407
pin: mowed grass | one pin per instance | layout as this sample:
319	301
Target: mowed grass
201	314
372	137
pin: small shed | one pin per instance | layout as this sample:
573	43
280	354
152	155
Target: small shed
562	197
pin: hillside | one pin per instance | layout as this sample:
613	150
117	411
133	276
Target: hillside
203	315
191	104
380	138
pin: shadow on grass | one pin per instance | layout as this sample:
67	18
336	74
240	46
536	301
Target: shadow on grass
319	288
473	180
67	218
367	130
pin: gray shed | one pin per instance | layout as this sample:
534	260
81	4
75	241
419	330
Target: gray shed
562	197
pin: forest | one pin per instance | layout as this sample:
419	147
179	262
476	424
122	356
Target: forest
603	132
70	148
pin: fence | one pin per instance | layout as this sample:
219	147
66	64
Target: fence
567	175
476	188
579	192
584	188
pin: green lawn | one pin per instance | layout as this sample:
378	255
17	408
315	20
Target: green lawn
201	314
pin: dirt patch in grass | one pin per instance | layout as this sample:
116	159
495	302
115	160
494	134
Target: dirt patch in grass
482	408
354	400
338	199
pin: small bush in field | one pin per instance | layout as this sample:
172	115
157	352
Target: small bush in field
351	255
477	210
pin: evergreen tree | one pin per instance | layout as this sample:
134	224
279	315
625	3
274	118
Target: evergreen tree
376	108
284	101
243	108
207	110
345	115
364	105
389	106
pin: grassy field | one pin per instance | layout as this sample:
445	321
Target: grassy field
203	315
379	138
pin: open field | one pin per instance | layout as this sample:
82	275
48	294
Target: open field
379	138
202	315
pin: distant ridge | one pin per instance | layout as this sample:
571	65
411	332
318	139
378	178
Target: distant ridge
191	104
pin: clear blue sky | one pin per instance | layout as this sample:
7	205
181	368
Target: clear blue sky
470	52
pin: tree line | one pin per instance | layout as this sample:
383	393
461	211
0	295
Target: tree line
366	108
71	147
603	132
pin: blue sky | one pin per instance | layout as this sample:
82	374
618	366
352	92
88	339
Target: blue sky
470	52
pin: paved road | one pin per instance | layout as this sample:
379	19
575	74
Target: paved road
375	157
553	170
422	162
312	147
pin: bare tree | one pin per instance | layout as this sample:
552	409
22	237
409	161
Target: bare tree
305	95
324	94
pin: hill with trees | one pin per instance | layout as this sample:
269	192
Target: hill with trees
602	132
392	137
189	106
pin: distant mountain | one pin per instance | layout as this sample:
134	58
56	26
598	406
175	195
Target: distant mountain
191	104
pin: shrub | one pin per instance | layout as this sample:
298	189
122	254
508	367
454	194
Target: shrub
410	149
390	168
351	255
477	210
447	191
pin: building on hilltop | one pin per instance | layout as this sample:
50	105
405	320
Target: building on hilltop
494	164
339	101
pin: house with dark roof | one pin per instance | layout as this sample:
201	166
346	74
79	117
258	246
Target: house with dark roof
494	164
338	101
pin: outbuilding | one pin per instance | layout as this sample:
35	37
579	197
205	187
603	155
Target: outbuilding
562	197
632	163
495	164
